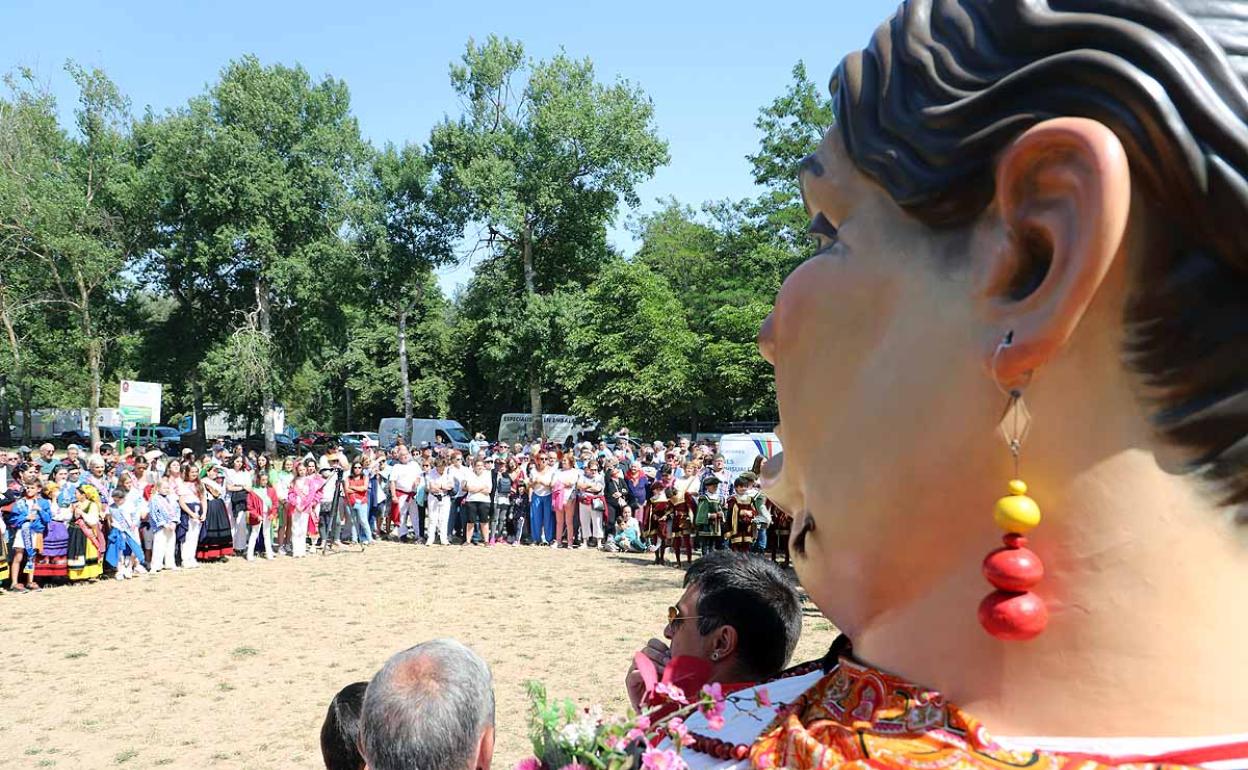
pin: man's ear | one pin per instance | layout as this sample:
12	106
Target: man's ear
485	749
725	641
1063	193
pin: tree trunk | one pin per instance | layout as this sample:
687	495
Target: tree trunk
262	305
530	287
28	428
6	437
347	393
407	383
200	435
94	354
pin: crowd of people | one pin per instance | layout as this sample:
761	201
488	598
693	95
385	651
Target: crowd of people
70	518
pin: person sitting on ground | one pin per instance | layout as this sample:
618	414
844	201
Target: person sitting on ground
340	732
740	616
430	707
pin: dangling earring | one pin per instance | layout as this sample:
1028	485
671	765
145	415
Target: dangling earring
1013	612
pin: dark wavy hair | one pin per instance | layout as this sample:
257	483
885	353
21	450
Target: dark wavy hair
946	84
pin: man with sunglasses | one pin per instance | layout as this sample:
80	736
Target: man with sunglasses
741	616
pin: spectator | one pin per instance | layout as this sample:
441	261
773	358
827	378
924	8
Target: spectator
430	707
477	486
340	732
47	463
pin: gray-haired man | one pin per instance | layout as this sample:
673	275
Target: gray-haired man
430	707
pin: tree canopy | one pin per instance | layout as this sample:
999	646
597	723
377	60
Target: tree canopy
250	248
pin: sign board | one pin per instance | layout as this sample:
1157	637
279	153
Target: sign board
514	426
741	449
139	402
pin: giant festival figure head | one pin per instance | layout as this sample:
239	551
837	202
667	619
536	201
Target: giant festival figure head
1050	199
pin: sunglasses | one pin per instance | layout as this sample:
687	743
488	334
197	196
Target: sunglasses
674	618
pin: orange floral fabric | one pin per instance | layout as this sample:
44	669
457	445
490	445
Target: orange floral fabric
857	718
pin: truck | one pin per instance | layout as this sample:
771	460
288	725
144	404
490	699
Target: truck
516	426
424	430
221	424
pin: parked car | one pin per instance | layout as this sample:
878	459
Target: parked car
355	439
65	438
316	438
285	445
167	439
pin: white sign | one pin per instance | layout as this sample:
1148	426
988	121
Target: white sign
139	401
741	449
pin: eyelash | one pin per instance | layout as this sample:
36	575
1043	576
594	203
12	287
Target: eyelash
823	231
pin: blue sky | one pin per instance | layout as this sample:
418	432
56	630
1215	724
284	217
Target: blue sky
707	66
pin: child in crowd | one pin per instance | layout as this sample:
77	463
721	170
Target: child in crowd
628	534
658	526
708	520
125	553
740	518
162	517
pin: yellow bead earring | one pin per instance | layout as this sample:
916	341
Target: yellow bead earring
1013	612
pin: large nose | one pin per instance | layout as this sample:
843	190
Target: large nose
767	339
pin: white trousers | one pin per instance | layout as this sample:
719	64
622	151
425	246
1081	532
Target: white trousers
164	540
408	511
240	530
191	542
437	519
265	525
299	533
591	524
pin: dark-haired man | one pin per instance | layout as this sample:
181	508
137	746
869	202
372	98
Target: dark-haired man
742	615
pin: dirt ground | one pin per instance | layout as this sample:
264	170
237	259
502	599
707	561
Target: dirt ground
233	665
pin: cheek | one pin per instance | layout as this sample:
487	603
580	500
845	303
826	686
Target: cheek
829	316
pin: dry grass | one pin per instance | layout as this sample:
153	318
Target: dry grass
232	666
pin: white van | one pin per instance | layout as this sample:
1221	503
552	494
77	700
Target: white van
452	433
741	449
515	426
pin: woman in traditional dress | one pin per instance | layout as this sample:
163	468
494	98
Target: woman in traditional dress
51	562
86	541
28	519
216	536
191	513
280	480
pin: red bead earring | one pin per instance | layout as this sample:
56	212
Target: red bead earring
1013	612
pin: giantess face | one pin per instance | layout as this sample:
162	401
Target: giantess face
885	410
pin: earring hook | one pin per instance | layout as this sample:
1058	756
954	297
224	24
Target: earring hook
1016	419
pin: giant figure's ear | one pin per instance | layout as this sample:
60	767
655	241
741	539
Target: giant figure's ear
1063	193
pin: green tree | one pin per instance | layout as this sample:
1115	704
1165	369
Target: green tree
631	351
543	154
408	227
254	180
66	202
